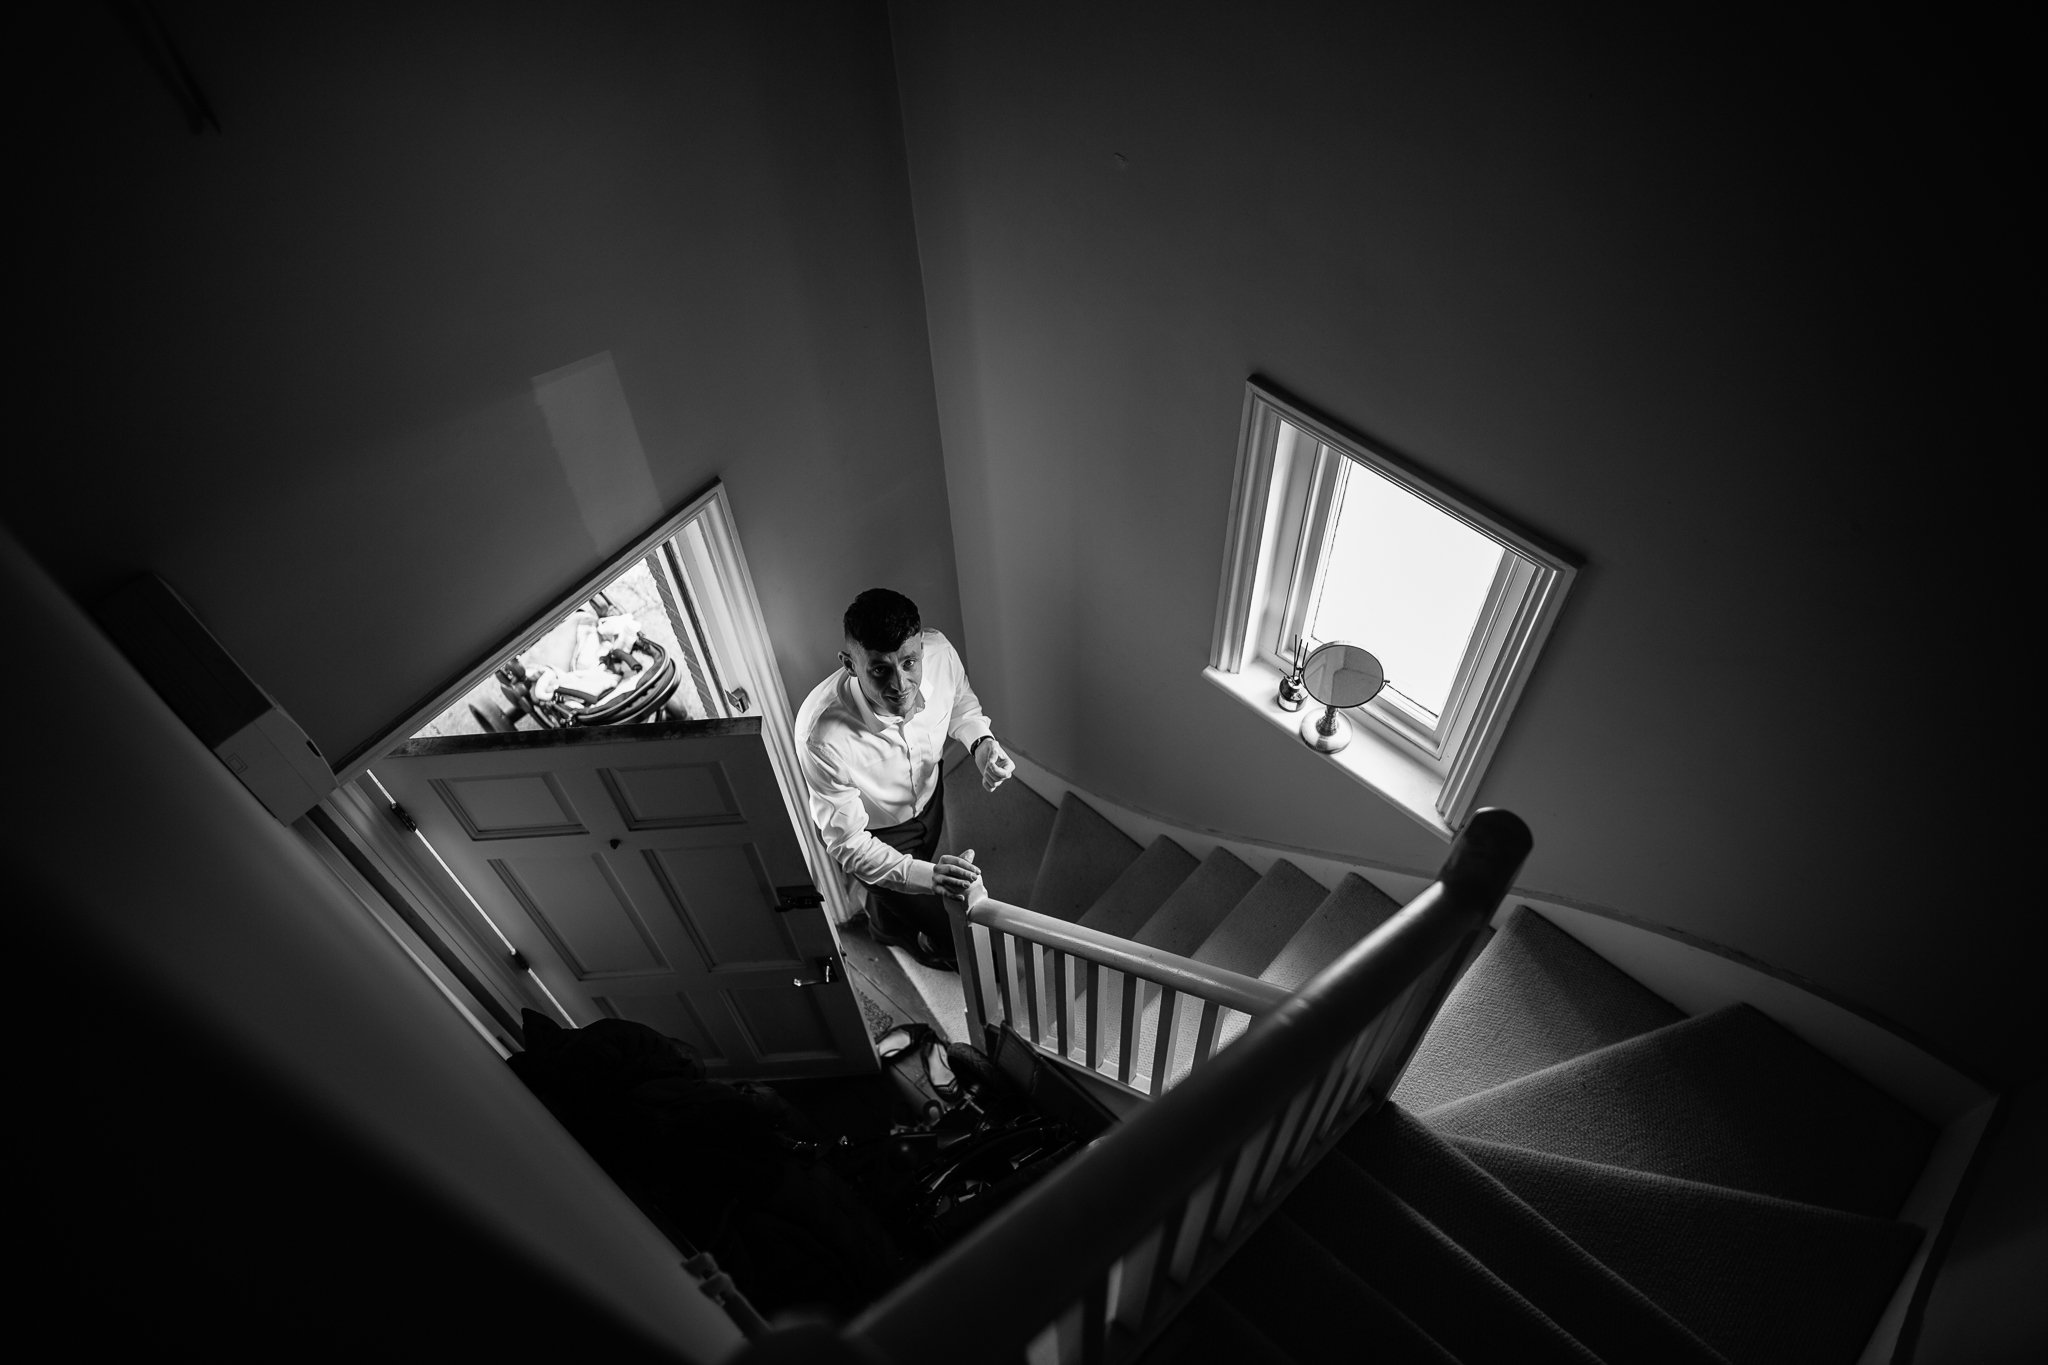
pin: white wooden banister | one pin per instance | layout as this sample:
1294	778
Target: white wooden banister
1090	1264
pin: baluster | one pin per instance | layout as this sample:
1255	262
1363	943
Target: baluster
1094	1016
1134	986
1312	1126
1052	1343
1063	983
1094	1318
1383	1034
1371	1047
1357	1071
1169	1252
1030	955
1191	1250
1406	1011
1162	1040
1276	1155
1002	942
1205	1034
969	952
1245	1169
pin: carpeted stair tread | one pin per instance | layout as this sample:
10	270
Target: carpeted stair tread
1141	888
1253	933
1301	1298
1354	909
1210	1332
1727	1098
1535	997
1134	897
1766	1281
1347	914
1612	1317
1082	860
1187	918
1008	828
1439	1285
1245	939
1198	904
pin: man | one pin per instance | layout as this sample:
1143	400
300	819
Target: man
872	735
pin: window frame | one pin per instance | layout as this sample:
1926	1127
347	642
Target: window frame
1290	460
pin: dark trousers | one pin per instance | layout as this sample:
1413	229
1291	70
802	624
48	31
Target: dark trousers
905	914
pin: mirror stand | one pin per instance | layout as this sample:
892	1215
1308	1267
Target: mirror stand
1338	676
1327	733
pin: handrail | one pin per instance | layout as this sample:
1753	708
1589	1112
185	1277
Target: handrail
1301	1073
1232	990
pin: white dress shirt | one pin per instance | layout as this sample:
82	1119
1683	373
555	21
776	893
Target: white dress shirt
869	771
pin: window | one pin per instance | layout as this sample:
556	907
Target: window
1332	540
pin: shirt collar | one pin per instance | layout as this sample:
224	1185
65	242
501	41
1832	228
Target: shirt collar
857	696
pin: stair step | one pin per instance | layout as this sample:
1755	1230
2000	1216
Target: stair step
1188	915
1535	997
1182	925
1438	1284
1354	909
1141	888
1082	860
1134	897
1252	935
1347	914
1727	1098
1198	904
1303	1299
1210	1332
1767	1281
1613	1318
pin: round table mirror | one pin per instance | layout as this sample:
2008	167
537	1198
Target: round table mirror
1339	676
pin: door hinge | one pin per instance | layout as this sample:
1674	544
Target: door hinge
404	817
827	974
802	896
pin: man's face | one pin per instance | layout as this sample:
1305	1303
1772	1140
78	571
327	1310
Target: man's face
888	679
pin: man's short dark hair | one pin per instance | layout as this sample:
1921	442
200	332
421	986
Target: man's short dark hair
881	619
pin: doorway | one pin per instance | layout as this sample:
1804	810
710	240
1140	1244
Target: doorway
605	818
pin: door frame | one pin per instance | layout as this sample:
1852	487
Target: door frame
732	587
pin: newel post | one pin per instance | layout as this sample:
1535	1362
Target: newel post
963	955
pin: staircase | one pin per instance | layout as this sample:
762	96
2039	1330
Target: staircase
1569	1170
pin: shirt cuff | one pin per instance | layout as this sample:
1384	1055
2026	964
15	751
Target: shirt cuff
920	875
972	729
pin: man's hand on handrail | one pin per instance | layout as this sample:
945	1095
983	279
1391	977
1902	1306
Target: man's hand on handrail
954	874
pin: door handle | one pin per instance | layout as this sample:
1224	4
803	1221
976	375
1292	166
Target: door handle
801	896
828	972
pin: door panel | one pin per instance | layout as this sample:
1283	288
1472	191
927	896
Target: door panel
642	870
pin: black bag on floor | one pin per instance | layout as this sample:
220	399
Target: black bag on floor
1011	1119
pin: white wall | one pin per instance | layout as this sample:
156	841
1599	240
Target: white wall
290	366
147	886
1717	306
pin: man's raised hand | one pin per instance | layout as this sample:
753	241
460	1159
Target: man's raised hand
996	765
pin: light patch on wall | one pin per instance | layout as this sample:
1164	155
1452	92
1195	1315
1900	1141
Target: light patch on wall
599	449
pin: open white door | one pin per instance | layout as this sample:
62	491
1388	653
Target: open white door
647	872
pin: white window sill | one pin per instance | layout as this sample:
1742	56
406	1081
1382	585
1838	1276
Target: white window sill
1370	759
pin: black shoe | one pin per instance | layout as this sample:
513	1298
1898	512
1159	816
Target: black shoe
919	945
927	953
922	949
